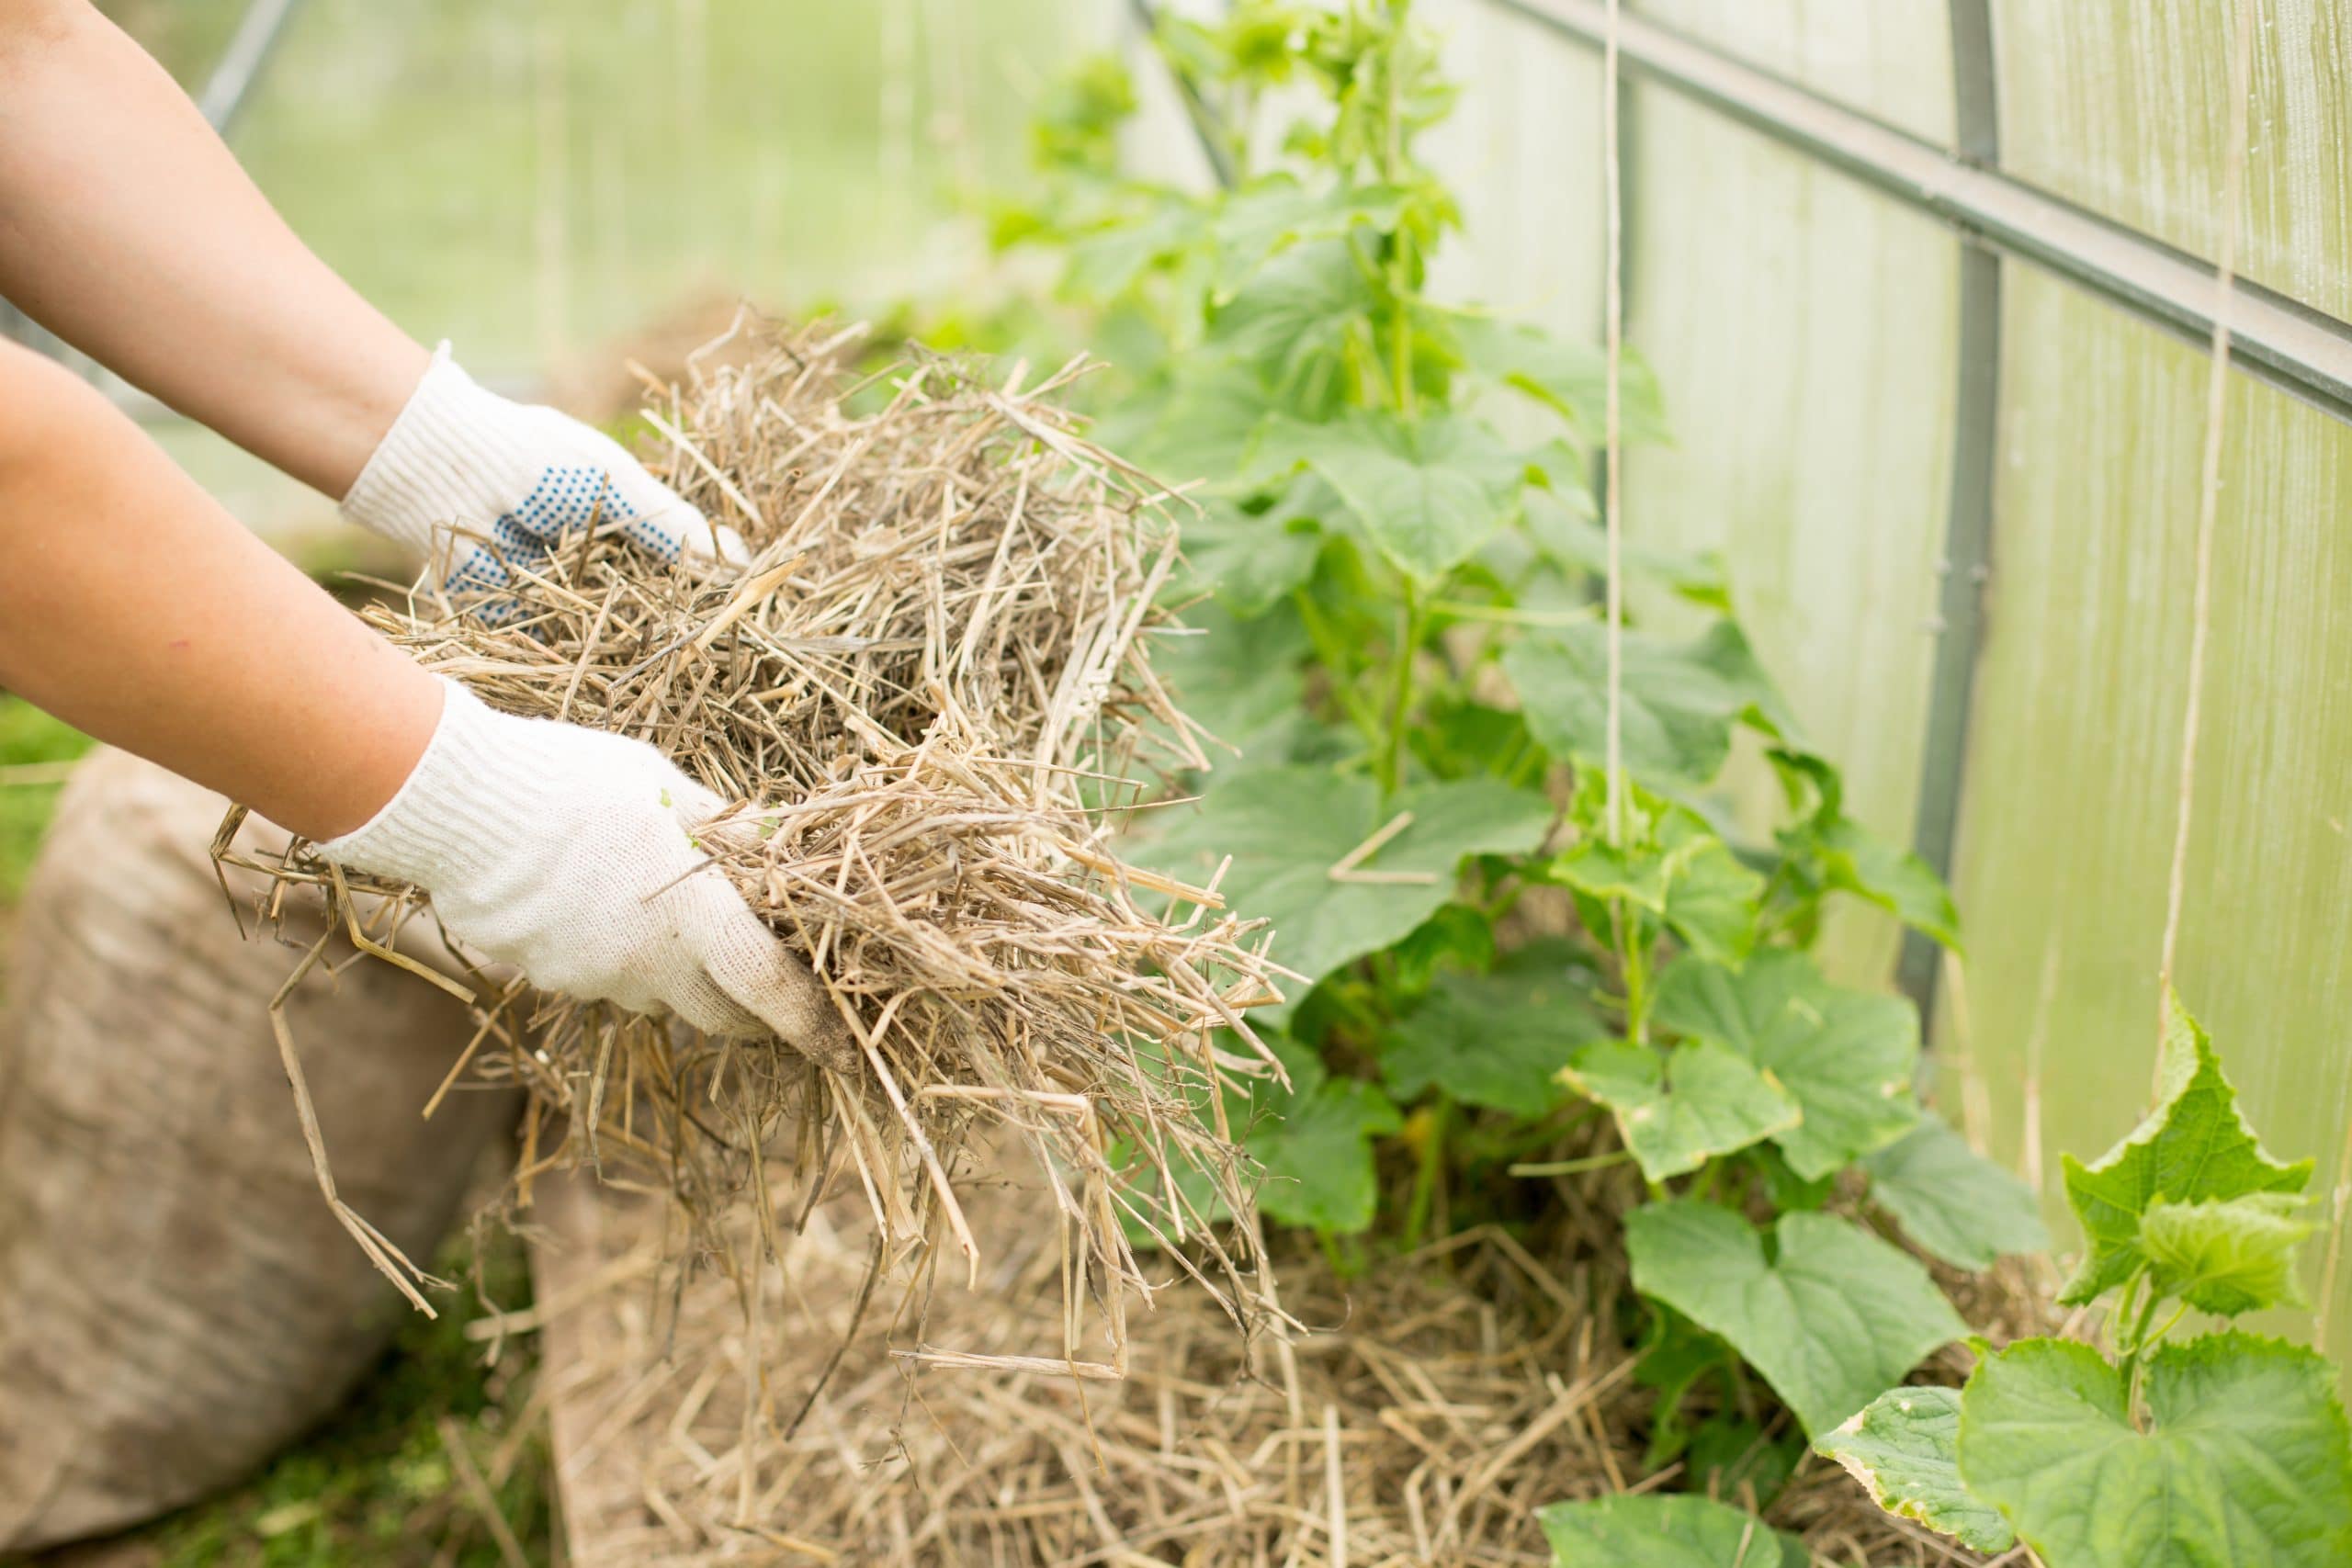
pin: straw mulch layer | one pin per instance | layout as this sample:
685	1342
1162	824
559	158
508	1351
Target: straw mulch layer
1421	1415
925	696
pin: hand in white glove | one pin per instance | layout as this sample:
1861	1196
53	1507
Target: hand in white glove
526	476
570	854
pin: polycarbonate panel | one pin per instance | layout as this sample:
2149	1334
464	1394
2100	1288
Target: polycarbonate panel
2121	106
1803	329
1891	59
1523	153
2067	827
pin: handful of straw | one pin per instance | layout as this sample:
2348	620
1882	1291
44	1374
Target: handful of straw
928	694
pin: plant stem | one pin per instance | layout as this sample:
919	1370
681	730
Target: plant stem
2138	1348
1743	1393
2121	1321
1703	1185
1573	1167
1635	962
1401	342
2169	1325
1506	1144
1400	259
1432	1171
1400	698
1504	615
1332	652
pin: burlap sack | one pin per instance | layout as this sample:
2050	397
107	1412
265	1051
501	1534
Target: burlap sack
175	1300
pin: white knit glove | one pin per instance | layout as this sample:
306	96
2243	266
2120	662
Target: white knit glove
570	853
523	478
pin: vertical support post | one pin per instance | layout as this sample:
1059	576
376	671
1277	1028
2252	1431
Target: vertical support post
241	63
1966	566
1207	127
1975	105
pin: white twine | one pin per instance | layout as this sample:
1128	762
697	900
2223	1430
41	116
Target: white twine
2241	69
1612	504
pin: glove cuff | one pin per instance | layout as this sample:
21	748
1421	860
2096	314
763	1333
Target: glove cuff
447	821
427	472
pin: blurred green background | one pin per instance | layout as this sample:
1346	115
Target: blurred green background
537	180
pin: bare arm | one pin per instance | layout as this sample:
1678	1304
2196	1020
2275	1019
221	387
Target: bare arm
128	228
133	607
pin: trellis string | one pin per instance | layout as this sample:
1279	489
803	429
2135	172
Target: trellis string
1612	477
2207	501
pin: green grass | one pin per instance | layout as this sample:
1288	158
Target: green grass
376	1484
28	737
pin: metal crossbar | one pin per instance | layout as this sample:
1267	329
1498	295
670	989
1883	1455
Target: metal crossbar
2276	340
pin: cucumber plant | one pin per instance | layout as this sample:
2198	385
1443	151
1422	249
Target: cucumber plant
1393	578
2229	1446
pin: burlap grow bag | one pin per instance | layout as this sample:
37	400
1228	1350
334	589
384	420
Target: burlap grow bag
176	1301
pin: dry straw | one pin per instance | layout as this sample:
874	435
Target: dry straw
1421	1413
929	697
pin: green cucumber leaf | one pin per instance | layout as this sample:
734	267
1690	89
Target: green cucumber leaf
1856	861
1848	1056
1784	1188
1905	1449
1727	1452
1675	866
1456	937
1257	41
1663	1531
1286	828
1242	681
1498	1039
1426	493
2244	1462
1680	700
1953	1202
1680	1108
1260	219
2227	1257
2194	1147
1151	1222
1201	425
1570	377
1108	261
1314	1143
1290	321
1831	1319
1461	737
1677	1357
1251	560
1711	902
1564	527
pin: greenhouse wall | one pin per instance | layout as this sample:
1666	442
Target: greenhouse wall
1870	400
1865	393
